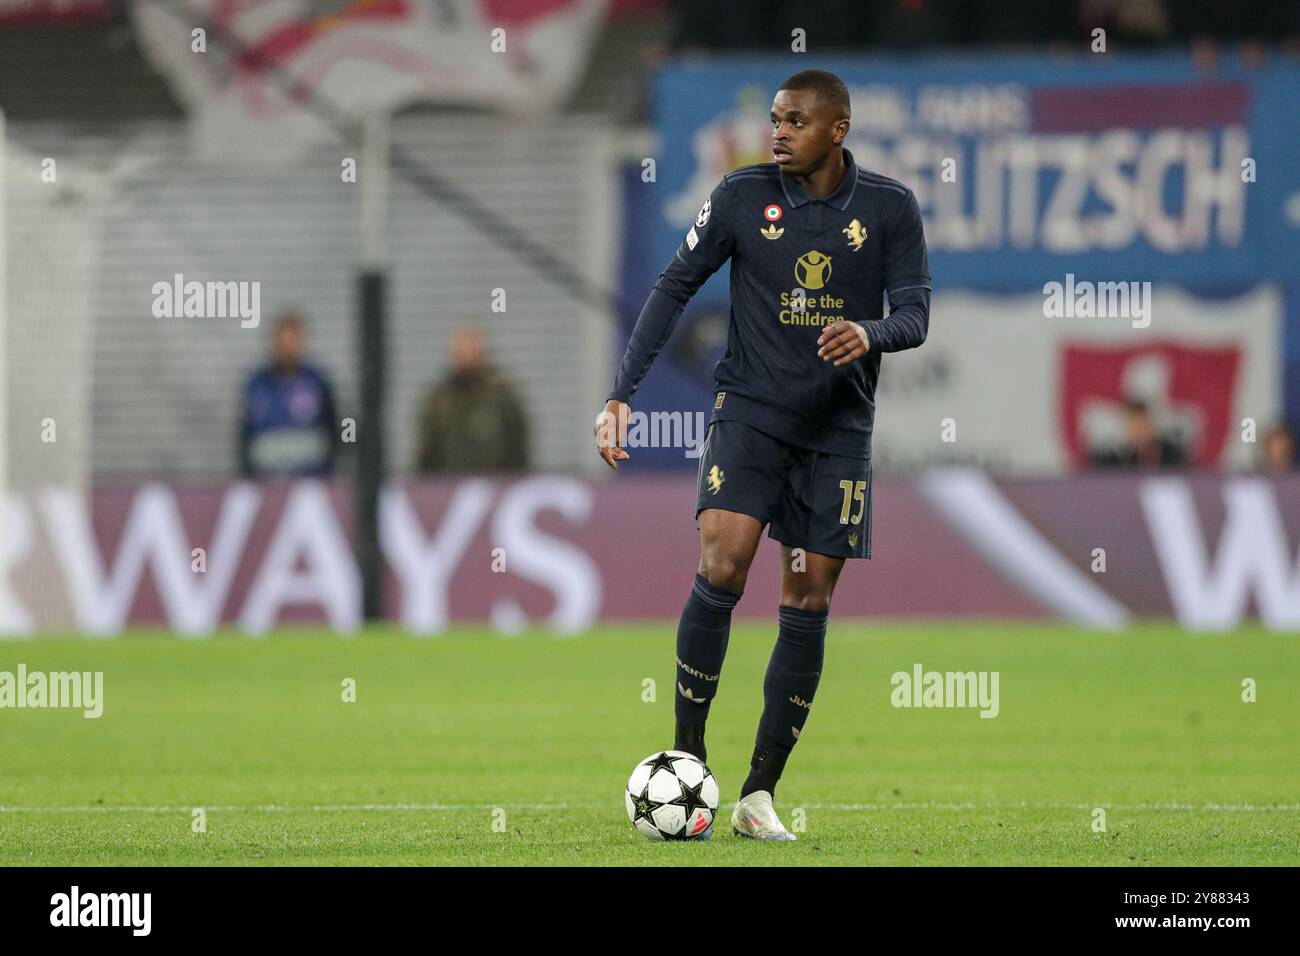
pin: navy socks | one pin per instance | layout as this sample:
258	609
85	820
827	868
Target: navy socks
702	636
793	672
788	688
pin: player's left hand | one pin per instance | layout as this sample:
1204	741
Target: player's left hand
843	342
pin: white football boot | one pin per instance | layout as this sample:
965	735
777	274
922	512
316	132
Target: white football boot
755	817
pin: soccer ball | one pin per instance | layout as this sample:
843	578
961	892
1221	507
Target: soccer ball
671	795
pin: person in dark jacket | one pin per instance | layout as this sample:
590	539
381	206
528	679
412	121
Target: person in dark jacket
289	426
472	420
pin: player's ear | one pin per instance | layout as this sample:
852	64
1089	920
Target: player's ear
840	131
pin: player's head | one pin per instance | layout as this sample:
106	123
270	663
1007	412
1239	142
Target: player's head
1137	421
287	340
810	118
468	350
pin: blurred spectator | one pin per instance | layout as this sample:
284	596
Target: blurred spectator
1277	450
288	427
1144	446
472	421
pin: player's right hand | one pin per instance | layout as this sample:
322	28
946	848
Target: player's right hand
611	432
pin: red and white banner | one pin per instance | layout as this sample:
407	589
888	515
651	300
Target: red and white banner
246	68
1022	391
563	553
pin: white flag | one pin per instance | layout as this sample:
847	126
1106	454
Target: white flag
248	72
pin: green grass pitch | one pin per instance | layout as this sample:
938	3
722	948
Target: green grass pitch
472	748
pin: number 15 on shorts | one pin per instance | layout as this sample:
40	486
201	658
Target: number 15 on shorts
853	491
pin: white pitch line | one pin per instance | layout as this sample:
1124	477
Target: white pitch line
1211	807
304	808
400	807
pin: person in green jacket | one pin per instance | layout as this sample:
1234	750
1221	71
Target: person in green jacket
472	421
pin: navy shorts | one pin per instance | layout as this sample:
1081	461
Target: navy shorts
812	500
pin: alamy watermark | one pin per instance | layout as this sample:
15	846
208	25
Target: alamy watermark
130	910
78	690
922	688
684	430
208	300
1098	300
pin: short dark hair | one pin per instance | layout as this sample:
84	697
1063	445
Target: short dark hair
830	89
289	318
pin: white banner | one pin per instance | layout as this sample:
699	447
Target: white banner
244	69
1004	385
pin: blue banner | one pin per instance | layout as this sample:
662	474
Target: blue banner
1028	168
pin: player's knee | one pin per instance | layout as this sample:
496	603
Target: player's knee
725	571
814	599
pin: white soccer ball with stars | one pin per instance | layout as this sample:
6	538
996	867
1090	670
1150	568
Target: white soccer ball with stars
671	795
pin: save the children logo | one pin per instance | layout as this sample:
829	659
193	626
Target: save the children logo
812	270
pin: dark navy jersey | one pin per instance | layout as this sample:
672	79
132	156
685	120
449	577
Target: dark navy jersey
798	263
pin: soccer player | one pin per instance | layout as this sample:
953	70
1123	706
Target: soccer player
815	243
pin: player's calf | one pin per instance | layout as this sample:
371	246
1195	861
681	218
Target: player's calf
793	673
702	636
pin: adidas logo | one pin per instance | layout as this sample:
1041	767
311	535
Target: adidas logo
686	692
